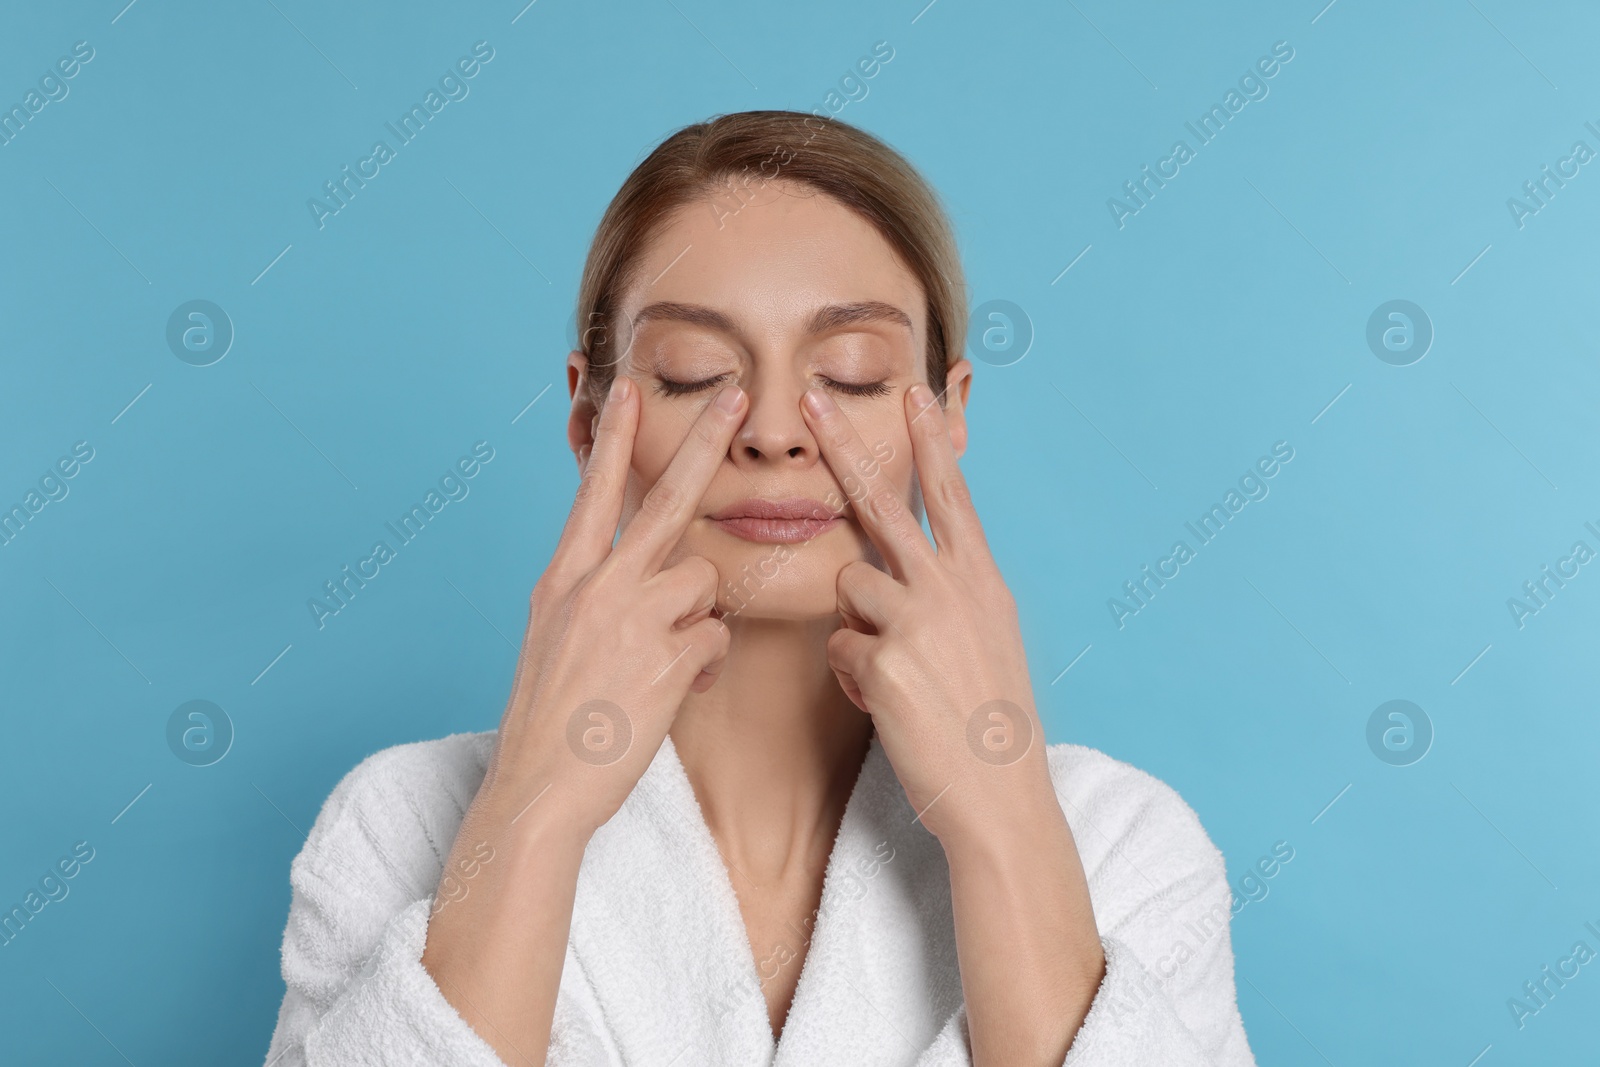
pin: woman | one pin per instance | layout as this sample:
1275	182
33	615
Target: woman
770	787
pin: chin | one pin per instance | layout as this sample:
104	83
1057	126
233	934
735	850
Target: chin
757	580
774	607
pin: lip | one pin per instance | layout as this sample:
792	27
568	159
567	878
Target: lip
788	521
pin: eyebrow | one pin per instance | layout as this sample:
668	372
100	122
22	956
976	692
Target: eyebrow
825	318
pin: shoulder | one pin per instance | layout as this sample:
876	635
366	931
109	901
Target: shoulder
390	821
417	767
1132	829
1163	907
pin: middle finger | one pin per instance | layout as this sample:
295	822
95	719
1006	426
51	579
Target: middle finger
887	520
665	512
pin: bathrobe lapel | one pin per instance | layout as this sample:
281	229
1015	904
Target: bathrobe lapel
657	927
880	978
673	975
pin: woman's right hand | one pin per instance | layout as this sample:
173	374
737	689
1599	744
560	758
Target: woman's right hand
614	644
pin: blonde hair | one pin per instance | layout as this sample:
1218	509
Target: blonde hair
747	149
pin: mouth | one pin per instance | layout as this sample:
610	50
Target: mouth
790	521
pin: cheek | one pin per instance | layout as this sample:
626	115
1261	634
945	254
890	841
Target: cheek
887	456
656	441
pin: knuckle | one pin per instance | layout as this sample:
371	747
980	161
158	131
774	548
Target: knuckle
855	575
704	574
693	576
718	636
549	589
592	486
956	494
560	579
662	501
883	502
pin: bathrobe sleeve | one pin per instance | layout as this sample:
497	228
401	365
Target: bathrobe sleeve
362	892
1162	903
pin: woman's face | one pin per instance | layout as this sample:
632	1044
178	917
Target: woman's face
790	291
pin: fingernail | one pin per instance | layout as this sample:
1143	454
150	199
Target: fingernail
619	387
728	399
818	401
921	395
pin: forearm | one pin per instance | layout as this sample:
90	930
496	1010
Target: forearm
496	952
1030	953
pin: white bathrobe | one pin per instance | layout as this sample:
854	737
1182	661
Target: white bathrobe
659	969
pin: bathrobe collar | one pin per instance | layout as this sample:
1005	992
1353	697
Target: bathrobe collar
657	927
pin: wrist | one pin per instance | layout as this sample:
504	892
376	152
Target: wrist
996	823
544	814
538	783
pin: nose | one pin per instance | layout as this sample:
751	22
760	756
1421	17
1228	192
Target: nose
774	432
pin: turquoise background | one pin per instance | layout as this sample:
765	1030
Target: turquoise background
1228	314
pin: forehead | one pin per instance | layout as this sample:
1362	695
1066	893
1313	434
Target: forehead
770	263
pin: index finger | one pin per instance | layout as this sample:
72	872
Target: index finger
887	520
666	509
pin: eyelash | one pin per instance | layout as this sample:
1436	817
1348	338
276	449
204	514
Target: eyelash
668	387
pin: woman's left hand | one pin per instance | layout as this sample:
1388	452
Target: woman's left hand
933	650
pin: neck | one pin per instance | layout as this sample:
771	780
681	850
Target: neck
774	748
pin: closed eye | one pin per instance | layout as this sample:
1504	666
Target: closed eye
668	387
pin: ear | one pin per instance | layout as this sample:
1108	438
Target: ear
958	386
584	417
